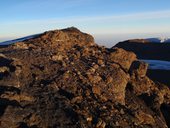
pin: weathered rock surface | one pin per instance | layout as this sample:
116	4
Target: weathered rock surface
150	50
62	79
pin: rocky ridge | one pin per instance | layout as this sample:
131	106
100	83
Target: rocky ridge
62	79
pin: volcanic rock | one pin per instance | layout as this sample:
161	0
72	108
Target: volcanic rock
122	57
139	68
62	79
150	49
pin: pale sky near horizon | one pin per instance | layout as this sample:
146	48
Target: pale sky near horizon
110	19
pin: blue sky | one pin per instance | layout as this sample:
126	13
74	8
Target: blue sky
102	18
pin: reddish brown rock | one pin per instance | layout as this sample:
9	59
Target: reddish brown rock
122	57
139	68
143	118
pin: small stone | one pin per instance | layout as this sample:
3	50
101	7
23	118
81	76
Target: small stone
109	79
96	90
72	63
94	79
92	70
79	73
103	125
57	57
20	45
96	66
122	111
2	55
4	69
100	124
100	62
64	64
87	93
144	118
77	99
89	119
117	123
103	65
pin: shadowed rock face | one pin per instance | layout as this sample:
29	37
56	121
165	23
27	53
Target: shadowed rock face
147	50
63	79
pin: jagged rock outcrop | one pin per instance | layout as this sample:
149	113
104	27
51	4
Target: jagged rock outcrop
62	79
150	50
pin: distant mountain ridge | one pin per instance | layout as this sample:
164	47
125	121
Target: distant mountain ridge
18	40
150	48
159	40
145	40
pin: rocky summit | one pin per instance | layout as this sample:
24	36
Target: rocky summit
62	79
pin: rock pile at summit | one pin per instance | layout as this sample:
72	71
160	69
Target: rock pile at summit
62	79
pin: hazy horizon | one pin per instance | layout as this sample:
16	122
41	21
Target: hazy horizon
109	40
